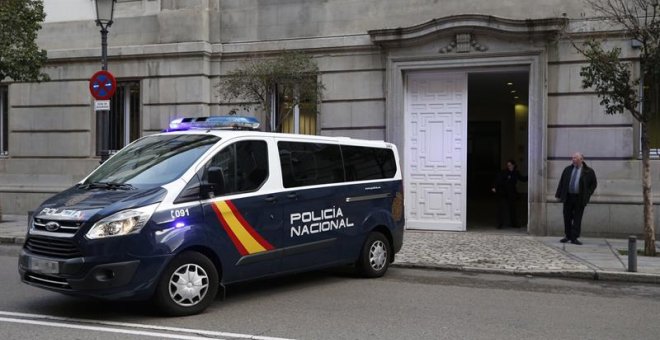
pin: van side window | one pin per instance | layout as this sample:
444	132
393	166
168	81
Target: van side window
310	164
243	165
364	163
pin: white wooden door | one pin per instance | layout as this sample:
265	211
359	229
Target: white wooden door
436	150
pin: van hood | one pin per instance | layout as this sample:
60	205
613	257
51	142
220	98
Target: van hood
83	204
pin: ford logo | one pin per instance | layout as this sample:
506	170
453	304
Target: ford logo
52	226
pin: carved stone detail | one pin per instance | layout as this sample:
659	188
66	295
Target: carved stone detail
463	43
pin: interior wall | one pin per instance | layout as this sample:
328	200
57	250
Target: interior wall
484	112
498	97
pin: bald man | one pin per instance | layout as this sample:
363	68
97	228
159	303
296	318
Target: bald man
576	185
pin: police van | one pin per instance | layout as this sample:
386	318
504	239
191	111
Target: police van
176	216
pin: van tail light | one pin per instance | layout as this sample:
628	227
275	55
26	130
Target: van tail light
397	205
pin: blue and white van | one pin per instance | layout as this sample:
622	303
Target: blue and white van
177	215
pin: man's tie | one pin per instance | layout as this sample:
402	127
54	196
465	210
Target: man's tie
573	184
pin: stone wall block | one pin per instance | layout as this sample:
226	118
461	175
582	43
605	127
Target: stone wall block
56	144
595	142
343	114
49	93
77	168
191	24
51	118
580	110
353	85
20	203
176	90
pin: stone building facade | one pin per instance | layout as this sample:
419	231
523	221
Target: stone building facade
423	74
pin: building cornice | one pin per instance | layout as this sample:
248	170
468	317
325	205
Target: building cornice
467	23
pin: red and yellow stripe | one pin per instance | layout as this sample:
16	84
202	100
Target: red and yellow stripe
244	237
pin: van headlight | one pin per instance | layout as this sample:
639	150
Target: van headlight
122	223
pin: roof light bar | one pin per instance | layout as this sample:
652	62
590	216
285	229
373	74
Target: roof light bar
214	122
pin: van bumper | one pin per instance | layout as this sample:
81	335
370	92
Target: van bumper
131	278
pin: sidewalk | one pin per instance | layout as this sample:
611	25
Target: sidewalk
516	253
502	252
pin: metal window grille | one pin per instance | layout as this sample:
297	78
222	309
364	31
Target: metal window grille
4	121
300	119
653	125
121	125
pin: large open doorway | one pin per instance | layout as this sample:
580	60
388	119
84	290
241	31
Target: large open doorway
497	132
460	129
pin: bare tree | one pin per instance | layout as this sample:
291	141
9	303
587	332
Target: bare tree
619	91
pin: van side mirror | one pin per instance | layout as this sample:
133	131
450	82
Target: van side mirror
215	184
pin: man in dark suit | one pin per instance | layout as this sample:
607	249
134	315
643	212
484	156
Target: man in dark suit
576	185
507	193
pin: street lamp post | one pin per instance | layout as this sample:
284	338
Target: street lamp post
105	10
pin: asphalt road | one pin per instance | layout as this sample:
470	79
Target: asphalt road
406	304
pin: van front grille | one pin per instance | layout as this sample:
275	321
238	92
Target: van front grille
53	226
53	247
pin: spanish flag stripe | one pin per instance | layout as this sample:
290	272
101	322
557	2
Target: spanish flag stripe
248	227
249	243
231	234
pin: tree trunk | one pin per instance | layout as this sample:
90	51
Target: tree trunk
649	217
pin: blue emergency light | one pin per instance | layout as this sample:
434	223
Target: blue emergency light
214	122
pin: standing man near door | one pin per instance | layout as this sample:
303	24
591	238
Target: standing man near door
576	185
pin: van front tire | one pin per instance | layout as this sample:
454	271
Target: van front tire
374	257
187	286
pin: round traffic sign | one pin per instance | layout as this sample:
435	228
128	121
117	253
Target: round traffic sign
102	85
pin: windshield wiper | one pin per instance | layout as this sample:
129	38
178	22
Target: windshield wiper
106	185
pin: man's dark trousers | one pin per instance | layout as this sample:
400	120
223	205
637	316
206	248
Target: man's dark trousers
573	210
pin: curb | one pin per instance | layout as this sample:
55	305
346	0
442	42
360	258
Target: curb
594	275
8	249
16	240
628	277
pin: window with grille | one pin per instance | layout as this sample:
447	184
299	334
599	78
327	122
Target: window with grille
292	118
4	121
121	125
651	107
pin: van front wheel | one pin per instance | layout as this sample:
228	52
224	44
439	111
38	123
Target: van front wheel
374	258
188	285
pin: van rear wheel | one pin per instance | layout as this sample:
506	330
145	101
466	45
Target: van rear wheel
188	285
375	255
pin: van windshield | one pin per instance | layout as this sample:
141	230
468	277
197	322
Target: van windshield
152	161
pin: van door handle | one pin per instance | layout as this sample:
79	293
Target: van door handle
270	198
292	196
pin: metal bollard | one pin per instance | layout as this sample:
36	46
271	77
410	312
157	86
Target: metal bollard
632	253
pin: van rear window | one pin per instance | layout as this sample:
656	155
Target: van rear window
362	163
315	163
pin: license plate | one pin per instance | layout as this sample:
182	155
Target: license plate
44	266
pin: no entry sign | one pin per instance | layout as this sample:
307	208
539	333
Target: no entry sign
102	85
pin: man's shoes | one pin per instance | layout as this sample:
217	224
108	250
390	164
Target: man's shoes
564	240
575	241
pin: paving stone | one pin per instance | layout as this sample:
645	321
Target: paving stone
482	250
